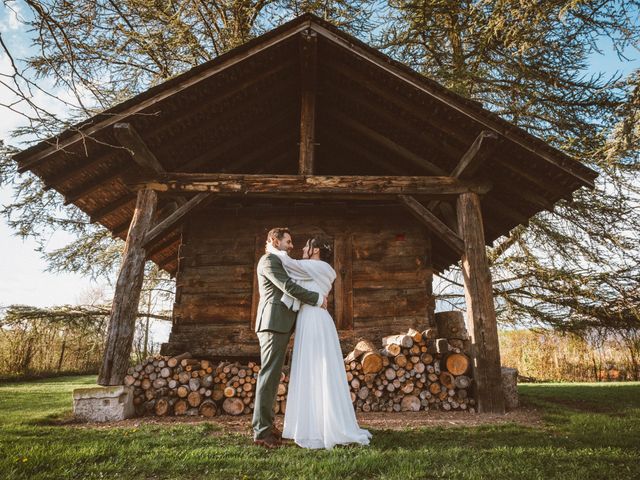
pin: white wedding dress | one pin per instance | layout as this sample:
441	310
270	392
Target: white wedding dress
319	412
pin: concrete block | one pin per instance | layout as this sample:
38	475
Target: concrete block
103	404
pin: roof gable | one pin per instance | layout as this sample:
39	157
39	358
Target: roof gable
240	112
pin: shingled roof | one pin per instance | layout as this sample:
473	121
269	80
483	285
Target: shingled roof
240	113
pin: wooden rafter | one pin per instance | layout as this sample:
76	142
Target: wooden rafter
308	73
173	220
91	186
177	85
477	154
386	142
494	123
433	223
362	151
129	138
111	207
235	142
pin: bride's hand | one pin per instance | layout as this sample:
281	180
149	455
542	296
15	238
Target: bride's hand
324	304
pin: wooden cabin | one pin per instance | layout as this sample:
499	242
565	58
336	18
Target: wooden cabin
310	128
381	256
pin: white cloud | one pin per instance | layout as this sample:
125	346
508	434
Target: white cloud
10	16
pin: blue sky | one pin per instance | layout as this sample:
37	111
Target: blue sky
22	278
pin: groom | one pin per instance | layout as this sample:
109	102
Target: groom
274	324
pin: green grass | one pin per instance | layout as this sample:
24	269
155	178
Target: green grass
590	431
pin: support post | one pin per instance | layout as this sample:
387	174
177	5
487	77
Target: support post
480	308
308	65
127	293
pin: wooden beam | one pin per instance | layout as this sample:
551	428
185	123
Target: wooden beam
343	286
165	243
308	73
492	122
178	84
91	186
124	309
129	138
223	96
481	313
64	175
342	91
174	219
258	252
386	142
362	151
120	229
481	148
111	207
433	223
271	124
446	132
298	184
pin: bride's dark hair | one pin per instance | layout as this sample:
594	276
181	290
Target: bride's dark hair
325	246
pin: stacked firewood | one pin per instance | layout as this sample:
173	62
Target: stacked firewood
418	370
183	385
411	372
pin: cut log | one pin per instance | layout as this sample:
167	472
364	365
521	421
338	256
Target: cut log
451	325
462	381
410	403
194	384
183	391
393	350
233	406
208	408
180	407
457	363
371	362
404	341
194	399
162	407
447	379
401	360
174	361
415	335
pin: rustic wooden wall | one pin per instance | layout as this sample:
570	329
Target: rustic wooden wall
382	257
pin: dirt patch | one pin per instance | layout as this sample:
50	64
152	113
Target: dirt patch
374	420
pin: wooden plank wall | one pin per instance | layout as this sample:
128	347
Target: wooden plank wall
382	258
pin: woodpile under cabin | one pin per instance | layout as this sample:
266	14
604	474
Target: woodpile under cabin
310	128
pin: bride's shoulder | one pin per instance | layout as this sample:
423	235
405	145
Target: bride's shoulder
327	267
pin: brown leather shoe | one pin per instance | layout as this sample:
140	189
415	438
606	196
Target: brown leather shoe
276	433
270	441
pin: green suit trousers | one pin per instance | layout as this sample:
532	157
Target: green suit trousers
273	349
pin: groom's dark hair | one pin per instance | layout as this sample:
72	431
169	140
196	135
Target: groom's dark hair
277	233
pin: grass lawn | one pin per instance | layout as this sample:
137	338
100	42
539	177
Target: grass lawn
590	431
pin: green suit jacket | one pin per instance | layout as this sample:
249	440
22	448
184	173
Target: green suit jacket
273	281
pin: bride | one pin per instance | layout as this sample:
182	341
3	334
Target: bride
319	411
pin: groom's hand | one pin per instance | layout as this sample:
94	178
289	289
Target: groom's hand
324	303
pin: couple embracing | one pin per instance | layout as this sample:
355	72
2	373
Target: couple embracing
293	296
